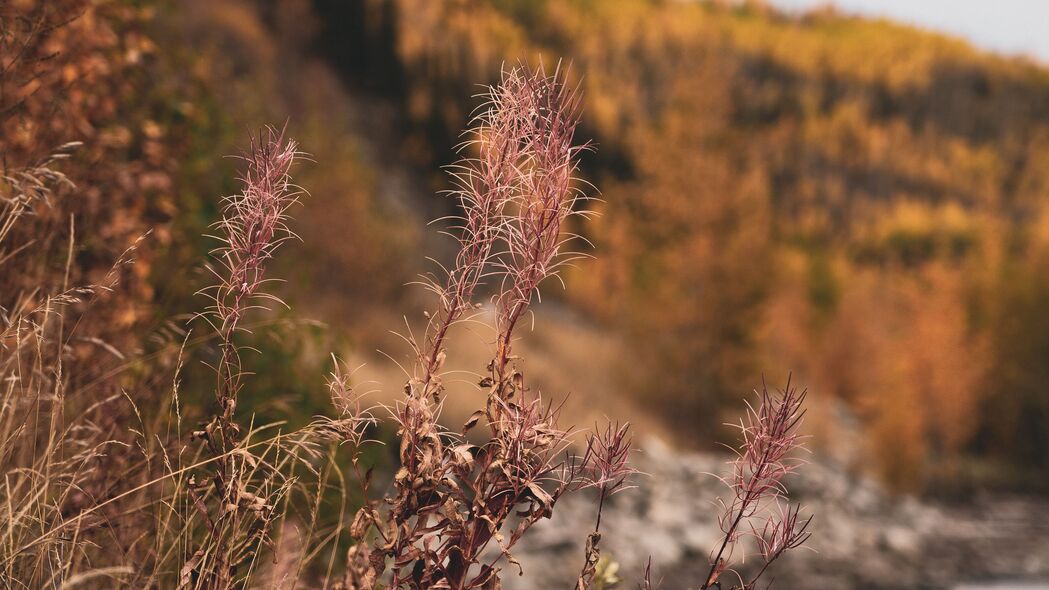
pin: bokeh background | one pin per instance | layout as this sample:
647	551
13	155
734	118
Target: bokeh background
784	189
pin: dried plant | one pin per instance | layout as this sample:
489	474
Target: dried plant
234	499
606	459
452	498
766	456
252	228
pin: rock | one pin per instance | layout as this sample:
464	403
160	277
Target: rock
900	539
863	537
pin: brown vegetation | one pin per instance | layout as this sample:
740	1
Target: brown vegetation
105	478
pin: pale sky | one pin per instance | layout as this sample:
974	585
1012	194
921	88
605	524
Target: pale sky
1006	26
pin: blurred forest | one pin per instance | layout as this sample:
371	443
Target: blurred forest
859	202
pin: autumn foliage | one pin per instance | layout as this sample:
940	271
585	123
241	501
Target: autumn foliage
858	201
